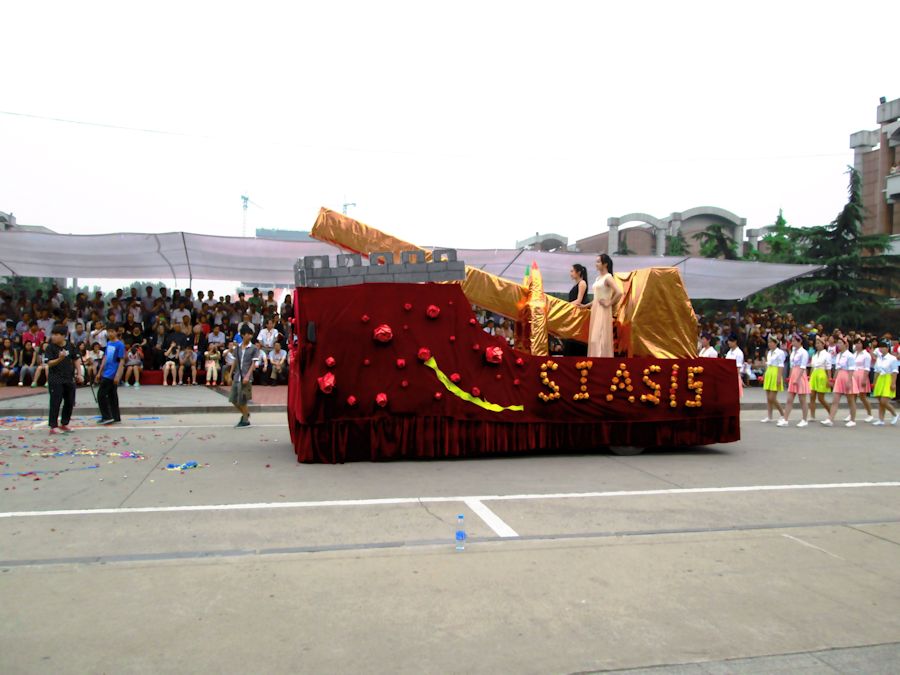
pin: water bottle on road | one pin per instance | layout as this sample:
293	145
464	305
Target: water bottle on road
460	533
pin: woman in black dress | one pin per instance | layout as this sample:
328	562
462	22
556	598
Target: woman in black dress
578	297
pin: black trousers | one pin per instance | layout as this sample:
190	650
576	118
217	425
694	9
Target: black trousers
61	394
108	400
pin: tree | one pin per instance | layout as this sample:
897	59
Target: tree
857	279
715	242
676	244
623	247
782	243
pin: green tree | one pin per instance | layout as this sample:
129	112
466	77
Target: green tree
715	242
623	246
676	244
782	243
857	279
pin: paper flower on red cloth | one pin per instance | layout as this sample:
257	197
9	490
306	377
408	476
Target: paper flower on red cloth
367	362
326	383
433	311
330	362
476	392
408	306
383	334
476	347
455	378
493	355
424	354
517	382
438	396
351	400
364	318
404	383
401	363
452	338
473	322
520	361
381	399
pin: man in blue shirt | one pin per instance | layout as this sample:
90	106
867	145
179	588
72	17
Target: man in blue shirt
109	375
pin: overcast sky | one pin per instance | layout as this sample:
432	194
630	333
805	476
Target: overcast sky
469	123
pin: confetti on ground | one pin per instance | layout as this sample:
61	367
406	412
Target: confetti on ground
143	419
21	474
89	452
185	466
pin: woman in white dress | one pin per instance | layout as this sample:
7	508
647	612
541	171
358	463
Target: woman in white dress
735	354
861	376
707	351
606	296
844	383
798	384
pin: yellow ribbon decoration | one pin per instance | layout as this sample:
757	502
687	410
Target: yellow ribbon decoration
466	396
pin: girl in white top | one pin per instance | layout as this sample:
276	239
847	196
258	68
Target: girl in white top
774	379
885	382
707	351
844	385
818	380
861	376
798	385
736	355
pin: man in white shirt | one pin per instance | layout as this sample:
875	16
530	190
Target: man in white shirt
45	322
216	336
148	300
179	313
267	337
198	303
278	358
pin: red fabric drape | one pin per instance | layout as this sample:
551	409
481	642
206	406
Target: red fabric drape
416	424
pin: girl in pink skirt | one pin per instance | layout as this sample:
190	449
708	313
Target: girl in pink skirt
861	376
844	384
798	384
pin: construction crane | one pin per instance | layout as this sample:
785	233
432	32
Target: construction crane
246	201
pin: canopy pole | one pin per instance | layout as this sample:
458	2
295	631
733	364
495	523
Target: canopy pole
188	259
163	256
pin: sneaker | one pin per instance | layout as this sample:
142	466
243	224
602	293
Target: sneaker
65	428
827	423
105	422
21	384
766	420
847	418
878	423
127	384
46	385
869	419
33	385
242	424
851	423
895	420
782	423
137	385
54	431
802	423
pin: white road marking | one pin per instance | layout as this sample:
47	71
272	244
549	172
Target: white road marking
491	519
807	544
413	500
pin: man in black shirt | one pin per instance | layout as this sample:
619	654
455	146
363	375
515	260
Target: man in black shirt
64	363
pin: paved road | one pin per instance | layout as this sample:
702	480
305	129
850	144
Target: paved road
785	543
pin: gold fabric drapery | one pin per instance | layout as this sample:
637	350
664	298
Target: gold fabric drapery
654	317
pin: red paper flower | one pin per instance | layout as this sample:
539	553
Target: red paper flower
433	311
367	362
424	354
404	383
516	382
401	363
351	400
364	318
473	322
326	383
383	334
406	326
493	355
520	361
408	306
476	347
330	362
381	399
476	392
438	396
499	376
455	378
452	338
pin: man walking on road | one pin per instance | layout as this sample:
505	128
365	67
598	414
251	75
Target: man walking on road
109	375
64	363
246	357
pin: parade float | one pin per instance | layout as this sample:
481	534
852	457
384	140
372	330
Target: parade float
391	362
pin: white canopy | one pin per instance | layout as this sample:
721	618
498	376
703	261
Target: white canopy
196	256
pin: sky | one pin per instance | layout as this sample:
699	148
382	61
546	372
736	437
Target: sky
470	124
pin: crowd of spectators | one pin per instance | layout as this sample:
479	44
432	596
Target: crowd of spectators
189	337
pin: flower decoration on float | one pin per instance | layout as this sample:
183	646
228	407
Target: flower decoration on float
381	399
584	367
652	399
455	378
695	385
493	355
383	334
673	388
327	383
401	364
404	383
433	311
330	362
351	400
424	354
407	307
438	396
476	392
554	394
364	318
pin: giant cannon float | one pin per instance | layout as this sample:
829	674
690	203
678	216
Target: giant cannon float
390	362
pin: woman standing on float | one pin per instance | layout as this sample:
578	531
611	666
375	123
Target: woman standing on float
844	383
736	355
885	382
707	351
606	296
577	296
818	381
798	384
774	379
861	375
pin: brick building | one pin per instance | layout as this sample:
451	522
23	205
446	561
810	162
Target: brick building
878	161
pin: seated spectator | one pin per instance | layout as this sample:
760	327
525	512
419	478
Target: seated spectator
177	315
170	365
8	331
228	364
45	322
217	337
79	336
84	355
9	362
134	364
95	358
43	370
155	348
98	334
29	360
187	359
267	337
213	362
34	335
278	358
262	364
